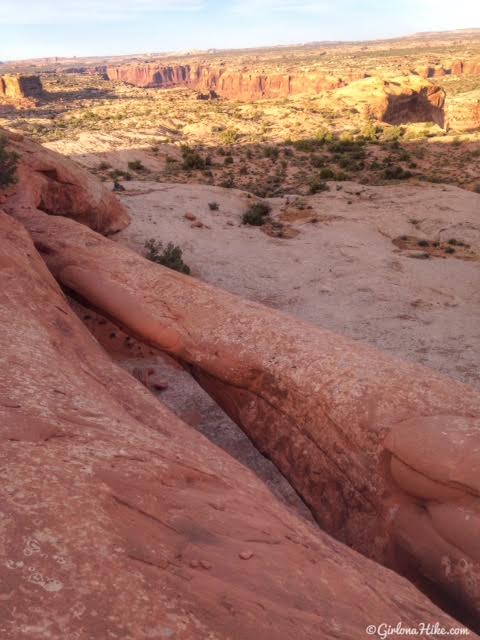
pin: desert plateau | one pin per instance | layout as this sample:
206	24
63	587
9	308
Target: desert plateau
239	334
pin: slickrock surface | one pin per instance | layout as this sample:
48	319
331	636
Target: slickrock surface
120	521
54	184
321	406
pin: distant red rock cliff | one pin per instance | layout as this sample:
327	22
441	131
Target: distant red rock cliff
252	85
454	68
239	85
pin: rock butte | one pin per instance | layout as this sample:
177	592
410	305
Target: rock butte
385	452
122	521
21	89
397	100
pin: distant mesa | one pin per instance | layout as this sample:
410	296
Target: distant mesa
236	85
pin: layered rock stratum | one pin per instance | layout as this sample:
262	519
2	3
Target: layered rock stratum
229	83
118	520
251	85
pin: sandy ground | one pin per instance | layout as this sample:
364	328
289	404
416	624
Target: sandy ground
342	272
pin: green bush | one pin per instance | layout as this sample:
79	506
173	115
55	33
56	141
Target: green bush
257	214
8	164
271	152
317	185
171	256
396	173
193	160
370	131
327	174
230	136
392	134
136	165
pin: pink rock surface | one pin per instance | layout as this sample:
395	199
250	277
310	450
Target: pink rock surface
119	521
52	183
342	421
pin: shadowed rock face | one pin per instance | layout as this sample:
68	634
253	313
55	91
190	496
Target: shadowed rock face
54	184
119	520
397	100
375	446
227	83
425	105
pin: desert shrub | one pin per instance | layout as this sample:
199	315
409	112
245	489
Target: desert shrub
170	256
309	145
349	163
256	214
136	165
392	134
228	183
213	206
476	188
317	161
228	160
317	185
369	132
8	164
271	152
115	174
192	160
327	174
230	136
346	144
103	166
396	173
